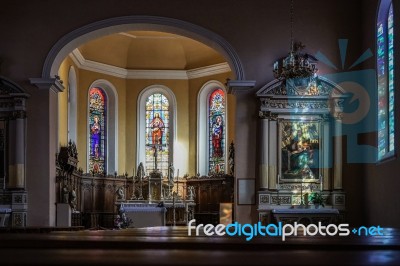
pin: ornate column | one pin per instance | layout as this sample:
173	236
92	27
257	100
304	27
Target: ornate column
43	133
337	159
17	138
326	157
264	150
273	154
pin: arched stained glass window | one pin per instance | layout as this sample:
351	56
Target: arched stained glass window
216	122
157	133
97	130
385	75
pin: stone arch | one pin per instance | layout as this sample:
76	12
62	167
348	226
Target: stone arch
128	23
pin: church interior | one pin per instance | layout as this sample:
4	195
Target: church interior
124	123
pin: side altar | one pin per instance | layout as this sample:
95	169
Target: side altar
301	143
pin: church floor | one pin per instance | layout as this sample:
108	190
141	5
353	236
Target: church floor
172	246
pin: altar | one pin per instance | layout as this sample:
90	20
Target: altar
156	200
144	214
306	216
162	213
301	151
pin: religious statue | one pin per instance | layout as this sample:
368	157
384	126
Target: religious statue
171	171
65	194
140	172
191	193
217	136
157	125
95	136
72	199
231	159
121	193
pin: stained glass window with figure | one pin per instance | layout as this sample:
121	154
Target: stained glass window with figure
157	133
216	122
97	130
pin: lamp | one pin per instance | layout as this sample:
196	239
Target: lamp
296	64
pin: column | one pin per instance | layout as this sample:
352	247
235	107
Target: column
17	152
42	147
326	158
337	159
273	154
264	151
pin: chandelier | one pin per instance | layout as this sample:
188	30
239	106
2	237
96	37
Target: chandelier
296	64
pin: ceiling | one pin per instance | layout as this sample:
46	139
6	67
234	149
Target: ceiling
150	50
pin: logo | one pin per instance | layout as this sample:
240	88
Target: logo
359	108
280	230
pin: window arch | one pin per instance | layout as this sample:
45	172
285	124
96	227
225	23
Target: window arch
102	128
385	77
211	128
156	128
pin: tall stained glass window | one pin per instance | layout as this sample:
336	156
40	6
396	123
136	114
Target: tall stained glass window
157	133
97	130
216	122
385	73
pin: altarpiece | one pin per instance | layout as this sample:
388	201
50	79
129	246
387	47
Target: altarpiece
301	150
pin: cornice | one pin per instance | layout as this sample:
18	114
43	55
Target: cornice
119	72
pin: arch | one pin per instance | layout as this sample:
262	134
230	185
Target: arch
203	125
112	123
101	28
72	105
141	121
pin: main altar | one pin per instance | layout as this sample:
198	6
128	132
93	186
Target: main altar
156	200
301	152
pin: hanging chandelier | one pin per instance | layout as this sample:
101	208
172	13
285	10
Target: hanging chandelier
296	64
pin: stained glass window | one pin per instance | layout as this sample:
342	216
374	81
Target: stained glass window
157	133
216	121
385	75
97	130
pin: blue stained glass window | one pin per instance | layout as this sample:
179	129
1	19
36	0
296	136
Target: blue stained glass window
97	130
157	133
391	78
216	121
385	75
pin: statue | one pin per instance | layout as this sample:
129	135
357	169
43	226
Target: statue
231	159
191	193
140	172
120	193
72	199
65	194
171	171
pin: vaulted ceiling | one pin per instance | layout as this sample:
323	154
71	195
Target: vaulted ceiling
150	50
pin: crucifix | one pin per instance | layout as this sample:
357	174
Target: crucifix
156	147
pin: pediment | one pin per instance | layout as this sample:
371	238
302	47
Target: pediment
8	87
313	86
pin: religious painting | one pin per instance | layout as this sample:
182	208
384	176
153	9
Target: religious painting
157	133
216	120
300	150
97	130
